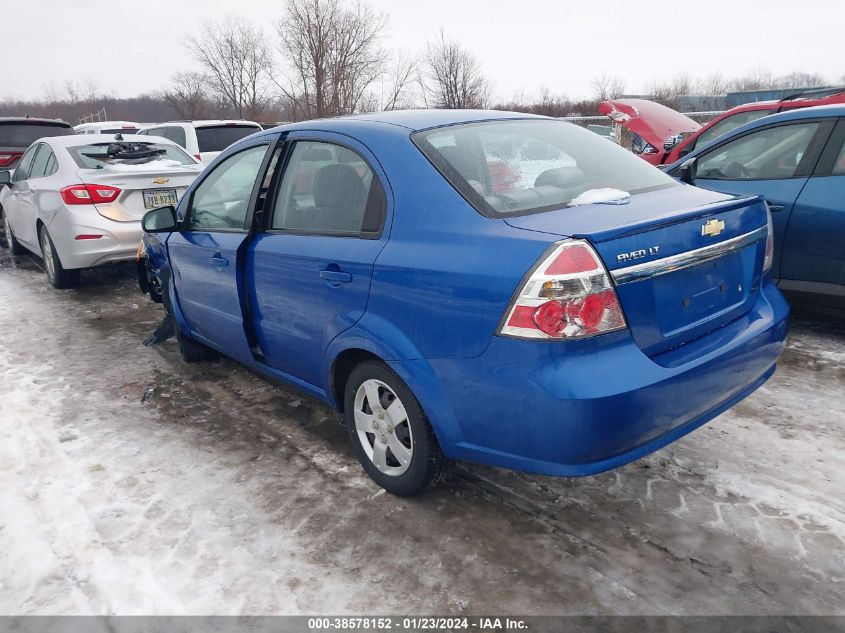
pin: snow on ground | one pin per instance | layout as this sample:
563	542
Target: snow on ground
133	483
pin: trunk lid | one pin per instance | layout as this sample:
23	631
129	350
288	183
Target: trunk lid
679	274
654	122
155	178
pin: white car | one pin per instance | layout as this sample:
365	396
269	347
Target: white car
203	140
77	201
108	127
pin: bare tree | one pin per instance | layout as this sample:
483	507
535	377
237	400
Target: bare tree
800	80
187	95
711	85
454	78
669	93
332	55
758	78
238	63
400	77
608	87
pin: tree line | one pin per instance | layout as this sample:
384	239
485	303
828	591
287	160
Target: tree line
328	58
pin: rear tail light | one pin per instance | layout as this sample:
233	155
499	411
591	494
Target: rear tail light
9	158
770	242
569	295
89	194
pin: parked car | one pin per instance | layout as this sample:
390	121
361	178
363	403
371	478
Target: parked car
668	148
18	133
796	160
566	322
77	201
108	127
650	123
203	140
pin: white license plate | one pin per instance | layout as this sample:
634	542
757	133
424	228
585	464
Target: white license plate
160	198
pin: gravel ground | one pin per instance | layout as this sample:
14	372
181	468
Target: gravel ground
133	483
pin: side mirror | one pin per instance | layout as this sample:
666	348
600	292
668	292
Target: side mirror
686	172
5	178
161	220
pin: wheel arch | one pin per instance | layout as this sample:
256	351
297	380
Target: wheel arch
355	346
342	367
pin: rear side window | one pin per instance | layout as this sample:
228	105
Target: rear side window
177	135
530	166
39	165
25	134
216	139
839	163
328	188
768	154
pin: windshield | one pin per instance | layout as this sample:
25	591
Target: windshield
216	139
98	156
25	134
529	166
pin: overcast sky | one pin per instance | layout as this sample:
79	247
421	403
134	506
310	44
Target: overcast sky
133	46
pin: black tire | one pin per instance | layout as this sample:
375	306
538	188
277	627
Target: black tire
58	276
426	462
193	351
12	244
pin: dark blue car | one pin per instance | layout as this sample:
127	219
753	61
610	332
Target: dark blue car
796	160
484	286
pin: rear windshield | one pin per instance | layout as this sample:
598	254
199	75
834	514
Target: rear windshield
25	134
520	167
120	130
216	139
98	156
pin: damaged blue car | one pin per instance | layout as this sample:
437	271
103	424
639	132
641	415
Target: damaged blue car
494	287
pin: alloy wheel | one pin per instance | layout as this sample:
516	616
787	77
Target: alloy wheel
383	427
47	251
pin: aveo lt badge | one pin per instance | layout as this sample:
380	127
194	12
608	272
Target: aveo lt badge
643	252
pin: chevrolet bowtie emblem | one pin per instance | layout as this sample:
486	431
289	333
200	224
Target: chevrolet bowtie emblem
160	181
712	228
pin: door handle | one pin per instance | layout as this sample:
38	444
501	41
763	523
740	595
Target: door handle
775	208
218	261
336	276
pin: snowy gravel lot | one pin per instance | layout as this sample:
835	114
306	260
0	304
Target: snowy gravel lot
133	483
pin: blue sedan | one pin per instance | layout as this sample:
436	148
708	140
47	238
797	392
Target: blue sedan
796	160
485	286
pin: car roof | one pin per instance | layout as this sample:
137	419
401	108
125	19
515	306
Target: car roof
813	112
412	119
35	120
202	123
106	124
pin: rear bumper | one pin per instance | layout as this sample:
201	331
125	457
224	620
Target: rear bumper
119	241
583	407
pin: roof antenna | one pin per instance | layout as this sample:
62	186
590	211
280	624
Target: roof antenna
118	137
